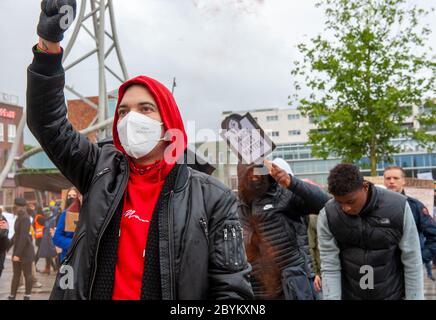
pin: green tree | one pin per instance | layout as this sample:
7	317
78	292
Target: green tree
359	80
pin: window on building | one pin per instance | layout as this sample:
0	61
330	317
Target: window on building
275	134
294	132
272	118
2	135
11	132
293	116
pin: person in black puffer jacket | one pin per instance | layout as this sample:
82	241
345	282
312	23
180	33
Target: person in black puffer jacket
368	241
274	233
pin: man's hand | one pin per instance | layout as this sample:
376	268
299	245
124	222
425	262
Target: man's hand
52	232
55	18
15	259
4	225
279	175
317	283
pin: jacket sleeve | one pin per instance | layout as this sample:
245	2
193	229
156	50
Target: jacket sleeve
313	245
228	268
21	236
60	238
330	261
306	198
69	150
427	223
411	258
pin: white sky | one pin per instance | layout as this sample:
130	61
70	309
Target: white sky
225	54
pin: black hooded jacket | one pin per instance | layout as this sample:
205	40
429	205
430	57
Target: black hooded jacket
193	256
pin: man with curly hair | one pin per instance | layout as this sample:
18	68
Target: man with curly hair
368	241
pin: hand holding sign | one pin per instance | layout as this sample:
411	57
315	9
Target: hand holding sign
281	176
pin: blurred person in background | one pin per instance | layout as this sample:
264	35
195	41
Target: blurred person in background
272	203
4	240
314	253
38	227
62	238
23	254
47	249
395	180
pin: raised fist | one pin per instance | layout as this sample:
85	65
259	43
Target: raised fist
56	16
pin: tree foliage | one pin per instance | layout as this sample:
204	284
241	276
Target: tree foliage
360	79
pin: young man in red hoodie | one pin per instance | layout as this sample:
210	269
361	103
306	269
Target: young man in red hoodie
149	227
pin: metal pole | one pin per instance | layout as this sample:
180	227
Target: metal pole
101	68
116	41
90	129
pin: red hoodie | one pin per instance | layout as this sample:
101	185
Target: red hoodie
142	192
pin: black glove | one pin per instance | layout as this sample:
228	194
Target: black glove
52	23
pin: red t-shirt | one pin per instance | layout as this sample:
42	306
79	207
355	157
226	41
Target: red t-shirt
142	193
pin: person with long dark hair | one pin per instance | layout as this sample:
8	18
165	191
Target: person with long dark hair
23	253
62	238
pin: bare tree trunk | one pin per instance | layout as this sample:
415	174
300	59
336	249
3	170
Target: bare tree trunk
373	158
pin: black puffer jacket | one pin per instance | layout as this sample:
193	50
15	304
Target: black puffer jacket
372	239
274	231
193	254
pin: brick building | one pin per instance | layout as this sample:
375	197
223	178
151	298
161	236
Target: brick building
10	116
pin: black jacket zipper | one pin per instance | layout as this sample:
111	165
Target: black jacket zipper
226	249
203	224
106	223
235	244
170	243
99	174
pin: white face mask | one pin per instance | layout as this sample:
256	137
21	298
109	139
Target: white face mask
139	134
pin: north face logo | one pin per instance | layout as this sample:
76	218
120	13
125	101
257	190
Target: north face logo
384	221
268	206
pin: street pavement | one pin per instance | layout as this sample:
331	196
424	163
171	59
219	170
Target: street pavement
47	281
42	293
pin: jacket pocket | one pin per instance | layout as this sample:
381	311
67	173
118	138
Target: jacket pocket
229	247
99	174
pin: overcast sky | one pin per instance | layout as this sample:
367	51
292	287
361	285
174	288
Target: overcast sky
225	54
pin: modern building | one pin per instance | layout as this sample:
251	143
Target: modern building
289	130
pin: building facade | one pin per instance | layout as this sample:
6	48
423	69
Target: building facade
10	116
289	130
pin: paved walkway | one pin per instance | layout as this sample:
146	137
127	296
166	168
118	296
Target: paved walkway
42	293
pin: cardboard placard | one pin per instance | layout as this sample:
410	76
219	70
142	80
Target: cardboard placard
71	219
246	138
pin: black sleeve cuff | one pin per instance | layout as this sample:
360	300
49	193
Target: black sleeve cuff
47	64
